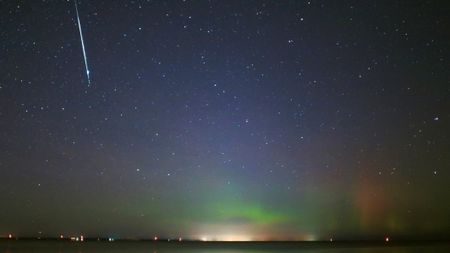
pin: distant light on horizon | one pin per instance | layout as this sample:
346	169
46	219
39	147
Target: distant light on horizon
310	237
234	238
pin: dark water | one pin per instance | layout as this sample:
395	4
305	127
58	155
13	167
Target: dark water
186	247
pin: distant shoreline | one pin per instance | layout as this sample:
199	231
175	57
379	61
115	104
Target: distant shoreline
176	241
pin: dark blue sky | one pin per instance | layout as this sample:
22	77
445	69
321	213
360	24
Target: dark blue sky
225	119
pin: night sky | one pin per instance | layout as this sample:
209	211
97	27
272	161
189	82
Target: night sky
226	120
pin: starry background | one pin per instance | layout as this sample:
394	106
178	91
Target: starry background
225	120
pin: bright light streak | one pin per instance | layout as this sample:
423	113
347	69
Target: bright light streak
82	44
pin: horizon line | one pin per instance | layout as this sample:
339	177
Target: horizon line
180	240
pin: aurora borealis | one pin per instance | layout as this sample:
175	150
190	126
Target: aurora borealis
225	120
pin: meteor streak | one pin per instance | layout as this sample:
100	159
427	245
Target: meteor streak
82	45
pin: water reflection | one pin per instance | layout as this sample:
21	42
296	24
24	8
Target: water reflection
148	247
